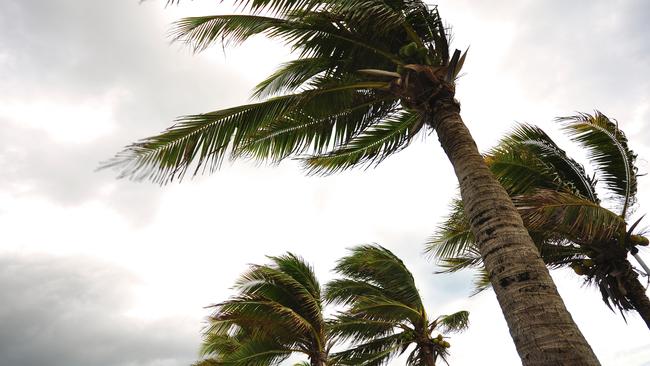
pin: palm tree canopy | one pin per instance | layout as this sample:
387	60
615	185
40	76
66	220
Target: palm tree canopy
276	312
357	92
558	202
384	314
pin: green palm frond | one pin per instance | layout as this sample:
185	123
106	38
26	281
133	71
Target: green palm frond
212	136
208	362
378	266
384	313
301	133
376	352
374	145
580	220
257	352
357	329
609	152
277	311
345	291
201	32
456	322
527	159
294	74
453	236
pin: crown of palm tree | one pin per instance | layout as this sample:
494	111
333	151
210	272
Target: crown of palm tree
277	312
559	204
385	314
355	94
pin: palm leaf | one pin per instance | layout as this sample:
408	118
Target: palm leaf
372	147
455	322
608	151
453	236
527	159
376	352
210	137
579	219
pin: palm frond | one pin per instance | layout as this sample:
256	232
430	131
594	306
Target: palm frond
376	352
580	220
212	136
345	327
527	159
455	322
379	266
345	291
453	236
276	312
300	133
293	74
609	152
257	352
371	147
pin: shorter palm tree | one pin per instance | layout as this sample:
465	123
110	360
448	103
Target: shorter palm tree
561	208
276	313
385	314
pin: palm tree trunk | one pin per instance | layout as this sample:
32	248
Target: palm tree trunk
635	292
540	325
429	355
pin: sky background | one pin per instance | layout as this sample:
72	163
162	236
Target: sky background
99	271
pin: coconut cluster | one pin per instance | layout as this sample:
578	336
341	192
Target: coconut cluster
441	342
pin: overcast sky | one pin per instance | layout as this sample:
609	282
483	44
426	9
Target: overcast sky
96	271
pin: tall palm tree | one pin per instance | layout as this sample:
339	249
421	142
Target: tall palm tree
385	313
562	210
370	75
277	312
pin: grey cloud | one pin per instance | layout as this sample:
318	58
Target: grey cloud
69	51
70	311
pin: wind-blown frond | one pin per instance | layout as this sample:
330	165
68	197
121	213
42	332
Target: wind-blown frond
346	327
371	147
276	313
384	313
455	322
578	219
376	352
377	265
453	236
210	137
528	159
293	75
608	151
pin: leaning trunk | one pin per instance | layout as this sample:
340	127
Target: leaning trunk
540	325
635	293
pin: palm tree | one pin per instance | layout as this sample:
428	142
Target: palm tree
370	75
276	313
385	314
562	209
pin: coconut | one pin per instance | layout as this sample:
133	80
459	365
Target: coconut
639	240
578	269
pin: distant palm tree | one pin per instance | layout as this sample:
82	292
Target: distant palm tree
562	209
276	313
385	314
370	75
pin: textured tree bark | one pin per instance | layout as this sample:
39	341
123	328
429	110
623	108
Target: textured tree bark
637	296
540	325
429	355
